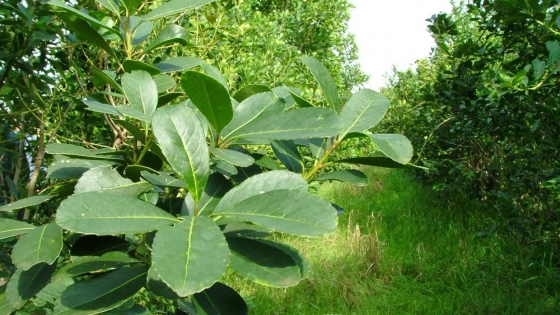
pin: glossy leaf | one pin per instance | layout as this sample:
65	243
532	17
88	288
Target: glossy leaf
286	211
94	264
24	203
158	287
101	293
163	180
262	183
174	7
9	228
353	177
164	82
209	96
182	141
132	65
40	245
204	259
141	92
94	245
256	107
301	101
178	64
214	73
363	111
107	180
95	106
95	213
379	161
24	284
215	189
233	157
395	146
325	80
249	91
168	35
64	167
219	299
262	263
287	152
297	124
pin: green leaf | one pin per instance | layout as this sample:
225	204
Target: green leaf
304	266
52	291
204	258
158	287
6	307
168	98
76	151
89	245
174	7
215	189
93	264
379	161
262	263
178	64
95	106
233	157
101	293
163	180
141	92
138	27
24	203
301	101
182	141
519	77
132	129
24	284
214	73
81	15
164	82
107	180
87	32
297	124
250	90
325	80
285	211
9	228
219	299
106	78
95	213
554	52
539	67
353	177
284	94
168	35
252	109
134	310
209	96
288	153
40	245
64	167
262	183
132	65
363	111
395	146
110	5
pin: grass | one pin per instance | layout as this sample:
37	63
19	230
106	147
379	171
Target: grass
401	250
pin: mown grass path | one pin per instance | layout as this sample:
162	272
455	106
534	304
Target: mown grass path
402	250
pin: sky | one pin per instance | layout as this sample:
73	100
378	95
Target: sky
392	32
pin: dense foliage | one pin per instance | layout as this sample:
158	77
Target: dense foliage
158	163
482	110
